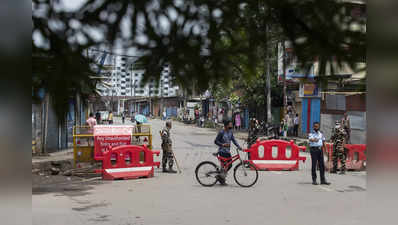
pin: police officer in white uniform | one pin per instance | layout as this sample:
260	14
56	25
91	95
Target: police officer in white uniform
317	144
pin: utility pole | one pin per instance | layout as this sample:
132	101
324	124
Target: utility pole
161	97
131	81
284	76
268	84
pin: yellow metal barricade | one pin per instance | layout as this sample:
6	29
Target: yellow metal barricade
83	144
83	141
142	135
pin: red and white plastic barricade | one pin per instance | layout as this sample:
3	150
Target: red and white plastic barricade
124	162
276	155
106	136
355	156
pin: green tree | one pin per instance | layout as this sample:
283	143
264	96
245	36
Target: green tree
200	39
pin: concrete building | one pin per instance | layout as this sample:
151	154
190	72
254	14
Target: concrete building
123	79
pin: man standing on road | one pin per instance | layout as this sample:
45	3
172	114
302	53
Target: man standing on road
167	156
347	127
296	125
223	141
317	144
338	138
254	130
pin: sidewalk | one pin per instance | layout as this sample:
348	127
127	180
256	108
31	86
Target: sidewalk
66	154
54	163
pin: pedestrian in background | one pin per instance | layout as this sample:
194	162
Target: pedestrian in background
123	117
290	125
237	121
296	125
91	122
347	127
284	127
164	115
110	117
317	145
338	138
98	117
133	117
254	130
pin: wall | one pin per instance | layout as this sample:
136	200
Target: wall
52	130
36	128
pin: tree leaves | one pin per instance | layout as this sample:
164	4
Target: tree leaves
204	41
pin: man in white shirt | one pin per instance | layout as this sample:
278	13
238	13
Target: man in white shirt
317	144
296	125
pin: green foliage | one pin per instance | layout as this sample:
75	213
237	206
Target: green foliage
62	74
204	41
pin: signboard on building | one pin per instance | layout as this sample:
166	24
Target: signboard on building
309	90
294	70
192	104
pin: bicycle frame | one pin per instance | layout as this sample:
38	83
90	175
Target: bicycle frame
232	159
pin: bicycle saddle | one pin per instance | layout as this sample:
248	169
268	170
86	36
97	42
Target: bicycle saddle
215	154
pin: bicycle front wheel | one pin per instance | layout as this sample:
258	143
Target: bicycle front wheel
245	174
206	173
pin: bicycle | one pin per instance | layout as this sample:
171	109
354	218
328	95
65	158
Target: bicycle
209	171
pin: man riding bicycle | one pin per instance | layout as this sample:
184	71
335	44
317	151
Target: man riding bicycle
223	141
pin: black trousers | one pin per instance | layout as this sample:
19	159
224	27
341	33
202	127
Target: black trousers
317	159
295	130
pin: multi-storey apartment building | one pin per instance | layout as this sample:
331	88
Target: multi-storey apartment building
122	77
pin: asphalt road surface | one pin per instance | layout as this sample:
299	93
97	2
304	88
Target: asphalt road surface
286	198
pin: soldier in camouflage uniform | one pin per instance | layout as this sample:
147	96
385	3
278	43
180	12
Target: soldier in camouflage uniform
167	156
254	129
252	137
338	138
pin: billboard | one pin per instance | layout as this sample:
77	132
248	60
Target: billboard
309	90
294	70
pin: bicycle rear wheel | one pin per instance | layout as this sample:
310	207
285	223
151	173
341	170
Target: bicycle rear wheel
206	173
245	174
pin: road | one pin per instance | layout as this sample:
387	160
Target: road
286	198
